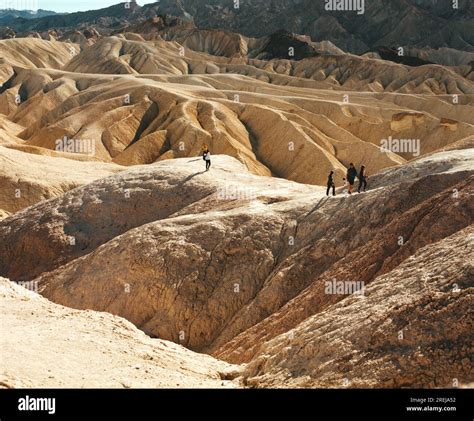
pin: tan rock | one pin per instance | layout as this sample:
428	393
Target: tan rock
26	179
409	329
45	345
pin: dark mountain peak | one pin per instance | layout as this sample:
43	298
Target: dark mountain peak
392	54
283	44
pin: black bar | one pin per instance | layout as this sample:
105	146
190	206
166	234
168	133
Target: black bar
196	404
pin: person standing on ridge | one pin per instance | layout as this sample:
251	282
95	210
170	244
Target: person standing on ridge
205	150
207	158
351	176
362	179
331	184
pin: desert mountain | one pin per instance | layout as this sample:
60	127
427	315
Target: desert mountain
440	34
391	24
90	349
421	23
179	237
105	205
8	16
29	178
136	102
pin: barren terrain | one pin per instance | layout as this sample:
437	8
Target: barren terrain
149	271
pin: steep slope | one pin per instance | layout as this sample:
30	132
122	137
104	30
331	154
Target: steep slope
411	328
34	53
9	132
67	348
26	179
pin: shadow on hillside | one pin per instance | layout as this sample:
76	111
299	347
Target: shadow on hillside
190	177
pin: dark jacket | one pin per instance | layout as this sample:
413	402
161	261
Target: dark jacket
351	174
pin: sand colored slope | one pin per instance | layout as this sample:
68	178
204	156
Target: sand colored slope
146	194
27	179
329	257
273	130
66	348
30	53
33	53
9	131
119	55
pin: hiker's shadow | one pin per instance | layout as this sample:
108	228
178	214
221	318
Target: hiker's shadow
190	177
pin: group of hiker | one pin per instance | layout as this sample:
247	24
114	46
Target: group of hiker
351	175
350	179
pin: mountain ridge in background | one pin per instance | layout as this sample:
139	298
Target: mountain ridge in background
419	23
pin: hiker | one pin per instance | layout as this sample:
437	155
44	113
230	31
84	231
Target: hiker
207	158
362	179
205	150
331	184
351	176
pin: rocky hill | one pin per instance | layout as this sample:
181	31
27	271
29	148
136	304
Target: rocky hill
135	102
238	266
90	349
246	275
8	16
392	24
411	23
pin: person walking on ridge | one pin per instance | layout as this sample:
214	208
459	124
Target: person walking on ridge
351	176
205	150
331	184
362	179
207	158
